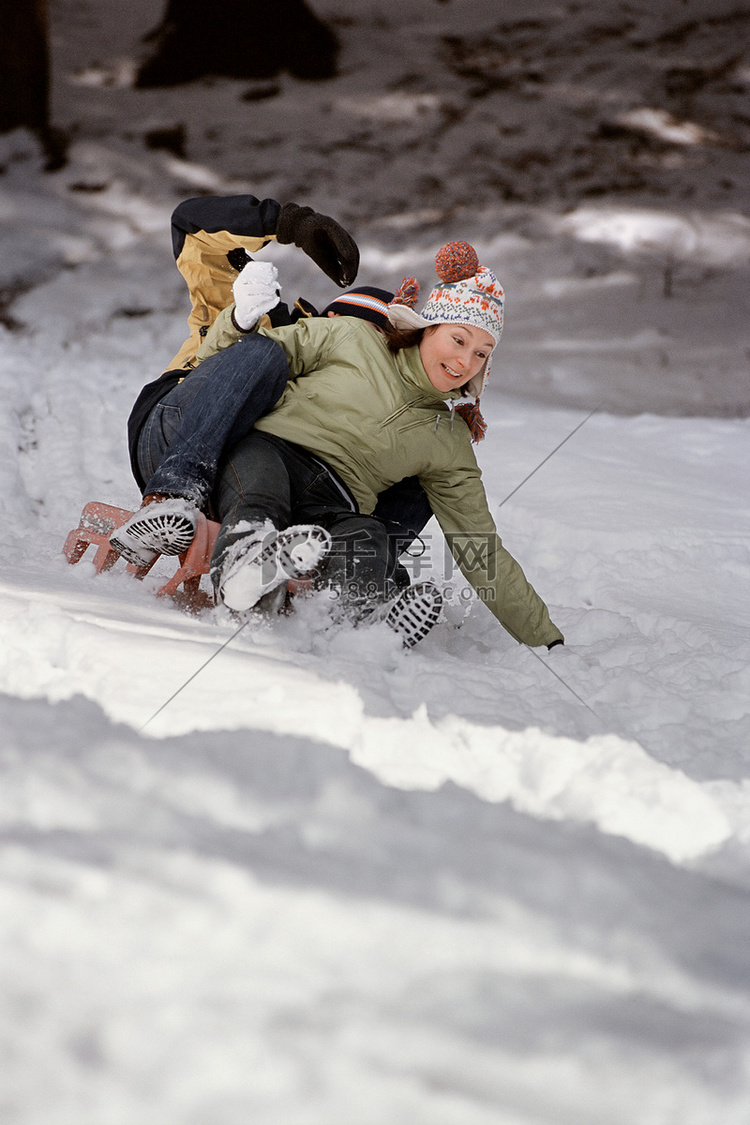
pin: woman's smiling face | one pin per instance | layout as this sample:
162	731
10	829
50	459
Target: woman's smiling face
452	354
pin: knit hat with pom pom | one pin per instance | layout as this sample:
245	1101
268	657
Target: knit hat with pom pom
467	294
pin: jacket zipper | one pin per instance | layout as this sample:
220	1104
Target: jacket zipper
451	410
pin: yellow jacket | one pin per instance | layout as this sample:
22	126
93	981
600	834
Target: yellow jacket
211	239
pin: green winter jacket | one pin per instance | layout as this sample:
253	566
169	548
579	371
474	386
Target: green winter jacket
375	418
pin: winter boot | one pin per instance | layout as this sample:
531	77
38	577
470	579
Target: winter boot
162	526
265	558
414	612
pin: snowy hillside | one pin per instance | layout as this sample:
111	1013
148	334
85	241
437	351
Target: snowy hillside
326	882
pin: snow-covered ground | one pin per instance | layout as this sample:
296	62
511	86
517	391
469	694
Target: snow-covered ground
326	882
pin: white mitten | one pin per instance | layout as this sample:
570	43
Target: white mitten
256	291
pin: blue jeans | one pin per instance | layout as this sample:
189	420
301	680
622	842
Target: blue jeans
187	433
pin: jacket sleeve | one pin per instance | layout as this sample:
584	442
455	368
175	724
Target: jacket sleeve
459	502
306	343
241	216
204	231
222	334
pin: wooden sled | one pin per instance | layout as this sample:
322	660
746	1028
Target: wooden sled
97	523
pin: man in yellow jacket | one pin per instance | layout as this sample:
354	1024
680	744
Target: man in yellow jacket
213	238
188	418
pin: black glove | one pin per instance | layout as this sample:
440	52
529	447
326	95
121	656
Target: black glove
322	239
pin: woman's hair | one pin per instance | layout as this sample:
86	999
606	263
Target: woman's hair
399	338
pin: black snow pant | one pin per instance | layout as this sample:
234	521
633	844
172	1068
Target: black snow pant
267	478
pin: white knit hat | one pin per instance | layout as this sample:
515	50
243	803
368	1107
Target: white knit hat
467	294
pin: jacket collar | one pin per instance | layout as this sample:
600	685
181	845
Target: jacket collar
410	365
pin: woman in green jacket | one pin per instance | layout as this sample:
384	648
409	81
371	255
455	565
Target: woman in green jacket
363	410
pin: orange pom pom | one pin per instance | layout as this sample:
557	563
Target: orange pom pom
456	262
